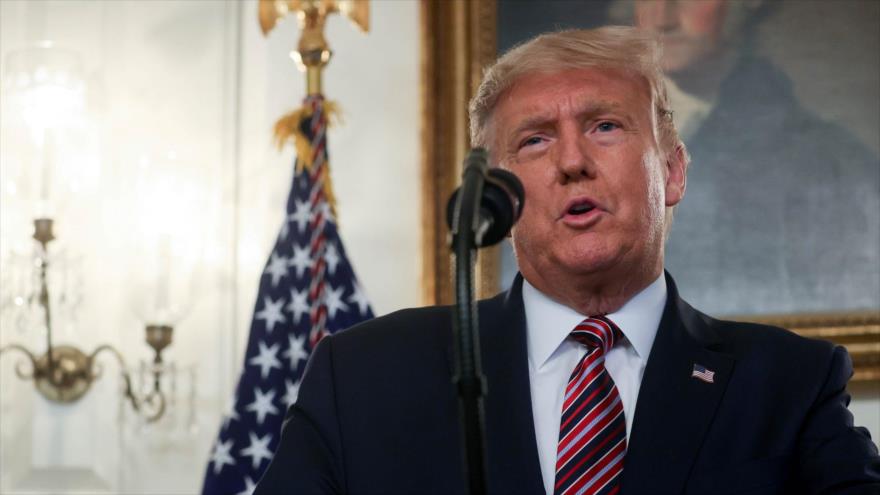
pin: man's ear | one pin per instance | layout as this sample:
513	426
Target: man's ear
676	174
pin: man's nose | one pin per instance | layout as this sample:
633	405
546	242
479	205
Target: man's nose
573	159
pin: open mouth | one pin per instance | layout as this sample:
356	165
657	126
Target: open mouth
580	208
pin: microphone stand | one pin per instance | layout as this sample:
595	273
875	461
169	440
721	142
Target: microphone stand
468	378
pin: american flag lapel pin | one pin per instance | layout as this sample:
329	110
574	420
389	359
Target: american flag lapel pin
700	372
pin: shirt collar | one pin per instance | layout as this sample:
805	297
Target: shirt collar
548	322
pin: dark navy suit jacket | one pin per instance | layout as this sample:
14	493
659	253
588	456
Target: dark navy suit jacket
377	412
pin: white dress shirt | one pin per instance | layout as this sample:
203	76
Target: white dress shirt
553	356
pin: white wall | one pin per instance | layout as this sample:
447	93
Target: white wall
158	78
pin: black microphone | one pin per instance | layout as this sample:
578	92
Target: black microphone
500	202
479	213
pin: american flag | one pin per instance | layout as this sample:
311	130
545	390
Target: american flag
307	289
700	372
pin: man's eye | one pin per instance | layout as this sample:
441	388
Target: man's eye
606	126
530	141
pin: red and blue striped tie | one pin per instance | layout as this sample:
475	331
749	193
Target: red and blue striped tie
592	432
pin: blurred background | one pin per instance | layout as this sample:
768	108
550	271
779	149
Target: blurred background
143	130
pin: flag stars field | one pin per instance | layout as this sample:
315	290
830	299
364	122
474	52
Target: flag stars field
292	392
277	268
297	351
249	486
307	261
333	300
299	304
331	256
302	260
358	297
232	415
325	209
271	313
266	359
258	449
302	215
220	456
262	405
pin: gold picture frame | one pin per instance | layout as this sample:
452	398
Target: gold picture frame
458	41
858	331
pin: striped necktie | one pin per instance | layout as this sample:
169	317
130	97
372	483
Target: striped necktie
592	431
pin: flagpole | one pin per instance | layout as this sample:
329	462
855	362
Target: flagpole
307	274
312	55
313	52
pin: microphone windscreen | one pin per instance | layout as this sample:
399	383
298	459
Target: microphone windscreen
501	204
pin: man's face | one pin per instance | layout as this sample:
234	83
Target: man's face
583	144
689	30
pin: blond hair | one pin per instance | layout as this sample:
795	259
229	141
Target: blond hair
617	47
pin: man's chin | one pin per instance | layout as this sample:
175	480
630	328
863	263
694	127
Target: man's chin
585	256
589	264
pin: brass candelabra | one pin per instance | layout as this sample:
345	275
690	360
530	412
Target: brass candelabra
64	373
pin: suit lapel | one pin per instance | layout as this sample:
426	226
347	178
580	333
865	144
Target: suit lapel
512	456
674	409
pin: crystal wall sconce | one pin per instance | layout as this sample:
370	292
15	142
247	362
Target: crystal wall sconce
64	373
44	86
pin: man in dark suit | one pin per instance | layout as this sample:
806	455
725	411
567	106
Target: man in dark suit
600	378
